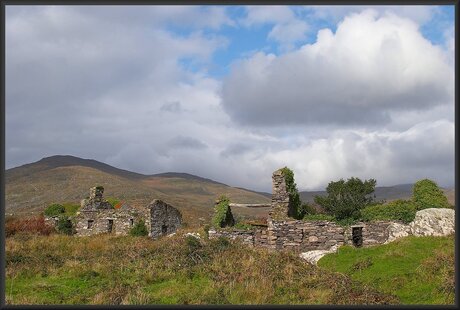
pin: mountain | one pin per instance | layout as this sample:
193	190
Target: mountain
67	179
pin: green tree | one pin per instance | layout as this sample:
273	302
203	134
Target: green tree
295	208
54	209
401	210
64	225
427	194
139	229
344	200
222	213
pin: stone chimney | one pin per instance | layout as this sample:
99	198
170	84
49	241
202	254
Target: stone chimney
95	200
95	193
280	197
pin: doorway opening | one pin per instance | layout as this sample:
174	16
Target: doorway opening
164	230
357	236
110	226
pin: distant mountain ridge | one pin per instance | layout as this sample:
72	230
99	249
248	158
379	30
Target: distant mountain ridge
68	178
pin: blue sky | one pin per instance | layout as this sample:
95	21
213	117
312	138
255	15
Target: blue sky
233	93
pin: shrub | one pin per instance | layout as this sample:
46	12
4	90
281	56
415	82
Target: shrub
427	194
54	209
64	225
345	199
402	210
307	209
34	225
295	209
139	229
222	213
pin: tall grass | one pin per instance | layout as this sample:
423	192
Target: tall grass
106	269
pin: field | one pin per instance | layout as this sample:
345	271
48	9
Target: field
106	269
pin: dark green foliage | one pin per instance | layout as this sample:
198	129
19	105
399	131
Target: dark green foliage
346	199
427	194
223	216
401	210
295	209
54	209
139	229
64	225
307	209
99	187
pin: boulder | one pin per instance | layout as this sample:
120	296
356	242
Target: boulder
433	222
397	230
314	256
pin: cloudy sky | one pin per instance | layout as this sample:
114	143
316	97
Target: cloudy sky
233	93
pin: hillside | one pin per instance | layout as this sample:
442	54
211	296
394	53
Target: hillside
29	188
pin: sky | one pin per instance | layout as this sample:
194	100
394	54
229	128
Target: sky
233	93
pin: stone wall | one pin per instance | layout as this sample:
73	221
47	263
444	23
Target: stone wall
246	236
297	235
119	222
164	219
280	197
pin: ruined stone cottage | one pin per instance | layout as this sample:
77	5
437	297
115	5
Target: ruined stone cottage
285	233
97	215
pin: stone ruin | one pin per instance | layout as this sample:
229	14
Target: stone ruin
95	200
320	237
97	216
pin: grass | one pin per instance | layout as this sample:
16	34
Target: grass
418	270
107	269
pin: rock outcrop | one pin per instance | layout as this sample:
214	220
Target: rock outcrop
433	222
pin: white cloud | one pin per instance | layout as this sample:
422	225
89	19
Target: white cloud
369	67
113	84
287	27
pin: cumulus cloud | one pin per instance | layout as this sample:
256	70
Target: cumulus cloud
373	100
369	67
287	28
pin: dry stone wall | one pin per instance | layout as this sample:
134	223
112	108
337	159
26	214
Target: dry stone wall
164	219
118	222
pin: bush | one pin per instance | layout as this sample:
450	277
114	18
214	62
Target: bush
307	209
401	210
427	194
344	200
139	229
64	225
222	213
295	209
34	225
54	209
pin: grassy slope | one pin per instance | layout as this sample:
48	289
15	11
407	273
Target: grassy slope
70	184
135	270
419	270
